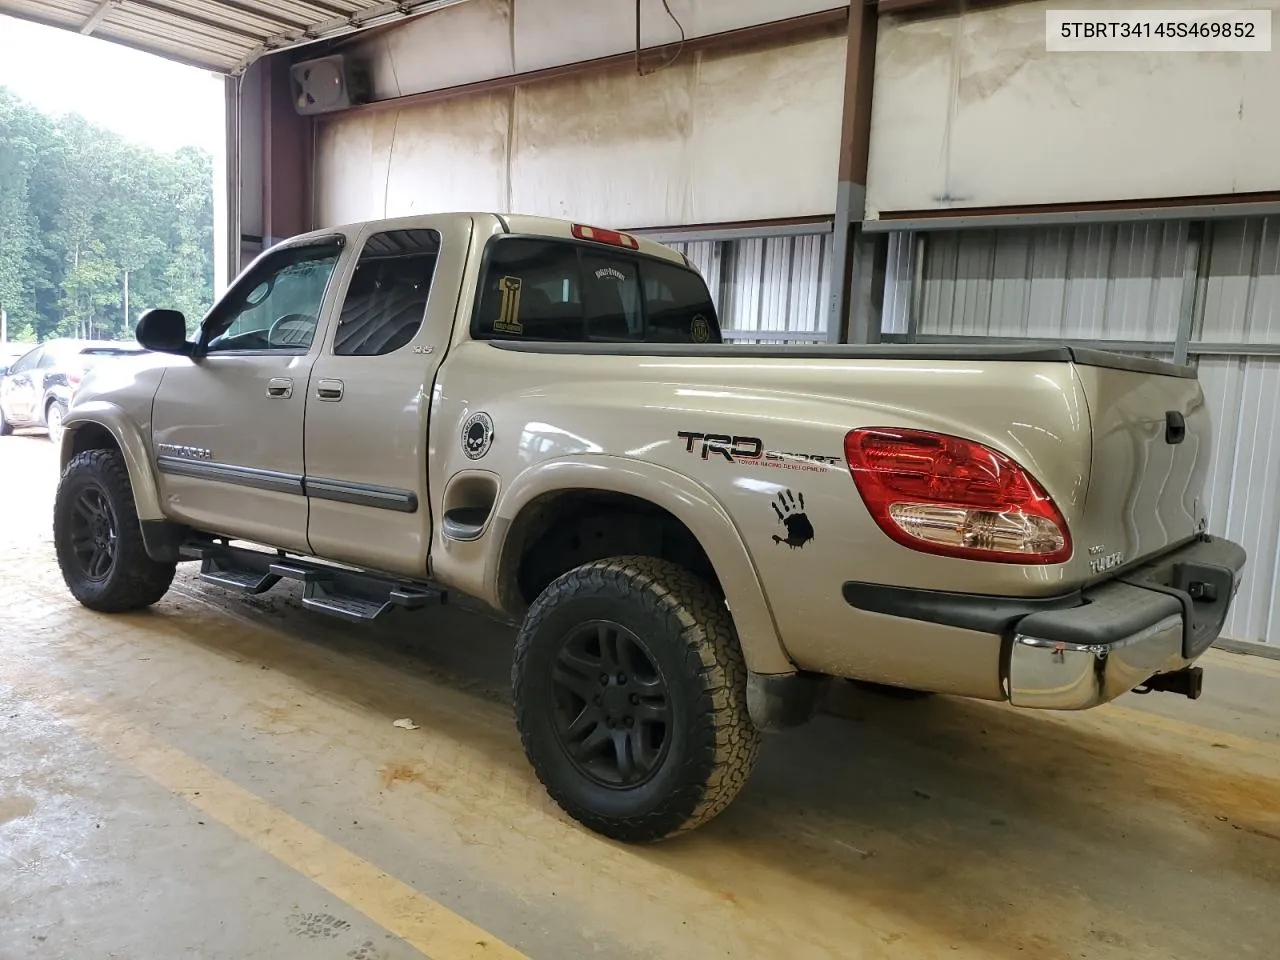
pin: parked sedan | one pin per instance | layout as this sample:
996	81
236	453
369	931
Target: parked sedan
36	389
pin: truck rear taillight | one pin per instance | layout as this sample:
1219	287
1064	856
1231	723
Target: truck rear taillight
951	496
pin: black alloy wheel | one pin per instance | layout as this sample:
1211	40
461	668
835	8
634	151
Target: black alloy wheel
94	534
98	537
630	693
612	707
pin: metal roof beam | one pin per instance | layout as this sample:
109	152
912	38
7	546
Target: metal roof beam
95	18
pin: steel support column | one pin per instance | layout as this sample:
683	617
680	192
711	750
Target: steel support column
286	157
849	319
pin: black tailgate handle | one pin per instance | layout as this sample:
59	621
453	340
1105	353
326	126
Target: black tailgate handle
1175	427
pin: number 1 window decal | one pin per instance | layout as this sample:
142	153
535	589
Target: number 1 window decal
509	308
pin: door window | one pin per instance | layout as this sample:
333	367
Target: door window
276	306
387	297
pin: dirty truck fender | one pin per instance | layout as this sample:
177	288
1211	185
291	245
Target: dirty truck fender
690	503
128	437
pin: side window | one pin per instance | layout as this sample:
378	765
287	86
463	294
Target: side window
28	361
277	305
552	290
387	298
47	360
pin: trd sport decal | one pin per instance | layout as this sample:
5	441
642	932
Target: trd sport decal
794	520
750	451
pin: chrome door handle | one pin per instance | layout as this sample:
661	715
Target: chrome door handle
329	390
280	388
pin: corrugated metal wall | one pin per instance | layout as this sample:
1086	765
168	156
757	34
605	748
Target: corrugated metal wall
767	285
1135	283
1103	282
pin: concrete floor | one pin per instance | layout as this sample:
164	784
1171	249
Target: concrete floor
220	778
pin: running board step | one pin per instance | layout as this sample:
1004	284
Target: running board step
222	569
357	597
353	596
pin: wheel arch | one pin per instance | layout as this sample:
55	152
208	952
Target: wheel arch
98	425
618	489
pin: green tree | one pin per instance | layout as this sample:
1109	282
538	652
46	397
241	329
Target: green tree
94	229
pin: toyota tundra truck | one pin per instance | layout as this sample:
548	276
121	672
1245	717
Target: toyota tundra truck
694	537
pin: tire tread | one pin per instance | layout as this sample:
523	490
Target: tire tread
140	581
724	744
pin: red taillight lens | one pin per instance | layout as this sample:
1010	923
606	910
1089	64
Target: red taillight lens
951	496
611	237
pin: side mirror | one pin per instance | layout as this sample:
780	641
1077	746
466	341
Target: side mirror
3	370
164	331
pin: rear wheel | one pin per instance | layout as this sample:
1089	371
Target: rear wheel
630	693
98	538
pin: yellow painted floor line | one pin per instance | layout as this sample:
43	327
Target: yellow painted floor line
429	927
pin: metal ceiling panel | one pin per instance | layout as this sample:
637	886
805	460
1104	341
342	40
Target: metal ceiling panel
224	36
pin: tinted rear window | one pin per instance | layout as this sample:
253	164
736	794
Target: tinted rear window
553	290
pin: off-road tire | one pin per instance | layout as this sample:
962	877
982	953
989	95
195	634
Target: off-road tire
712	746
134	580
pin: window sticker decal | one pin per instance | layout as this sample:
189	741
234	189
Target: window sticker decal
509	309
699	329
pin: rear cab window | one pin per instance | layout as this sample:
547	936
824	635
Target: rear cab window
539	289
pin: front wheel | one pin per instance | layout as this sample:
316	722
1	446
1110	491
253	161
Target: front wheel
630	697
98	539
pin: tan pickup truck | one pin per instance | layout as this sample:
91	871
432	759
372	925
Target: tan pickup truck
695	537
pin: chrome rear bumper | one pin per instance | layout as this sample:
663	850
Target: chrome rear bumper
1156	620
1079	650
1056	675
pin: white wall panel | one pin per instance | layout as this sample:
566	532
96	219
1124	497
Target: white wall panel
766	141
714	139
351	168
1242	502
456	45
485	39
449	156
552	32
972	111
606	148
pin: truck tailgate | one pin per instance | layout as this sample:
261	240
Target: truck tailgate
1150	434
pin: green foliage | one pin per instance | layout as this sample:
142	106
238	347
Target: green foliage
85	216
